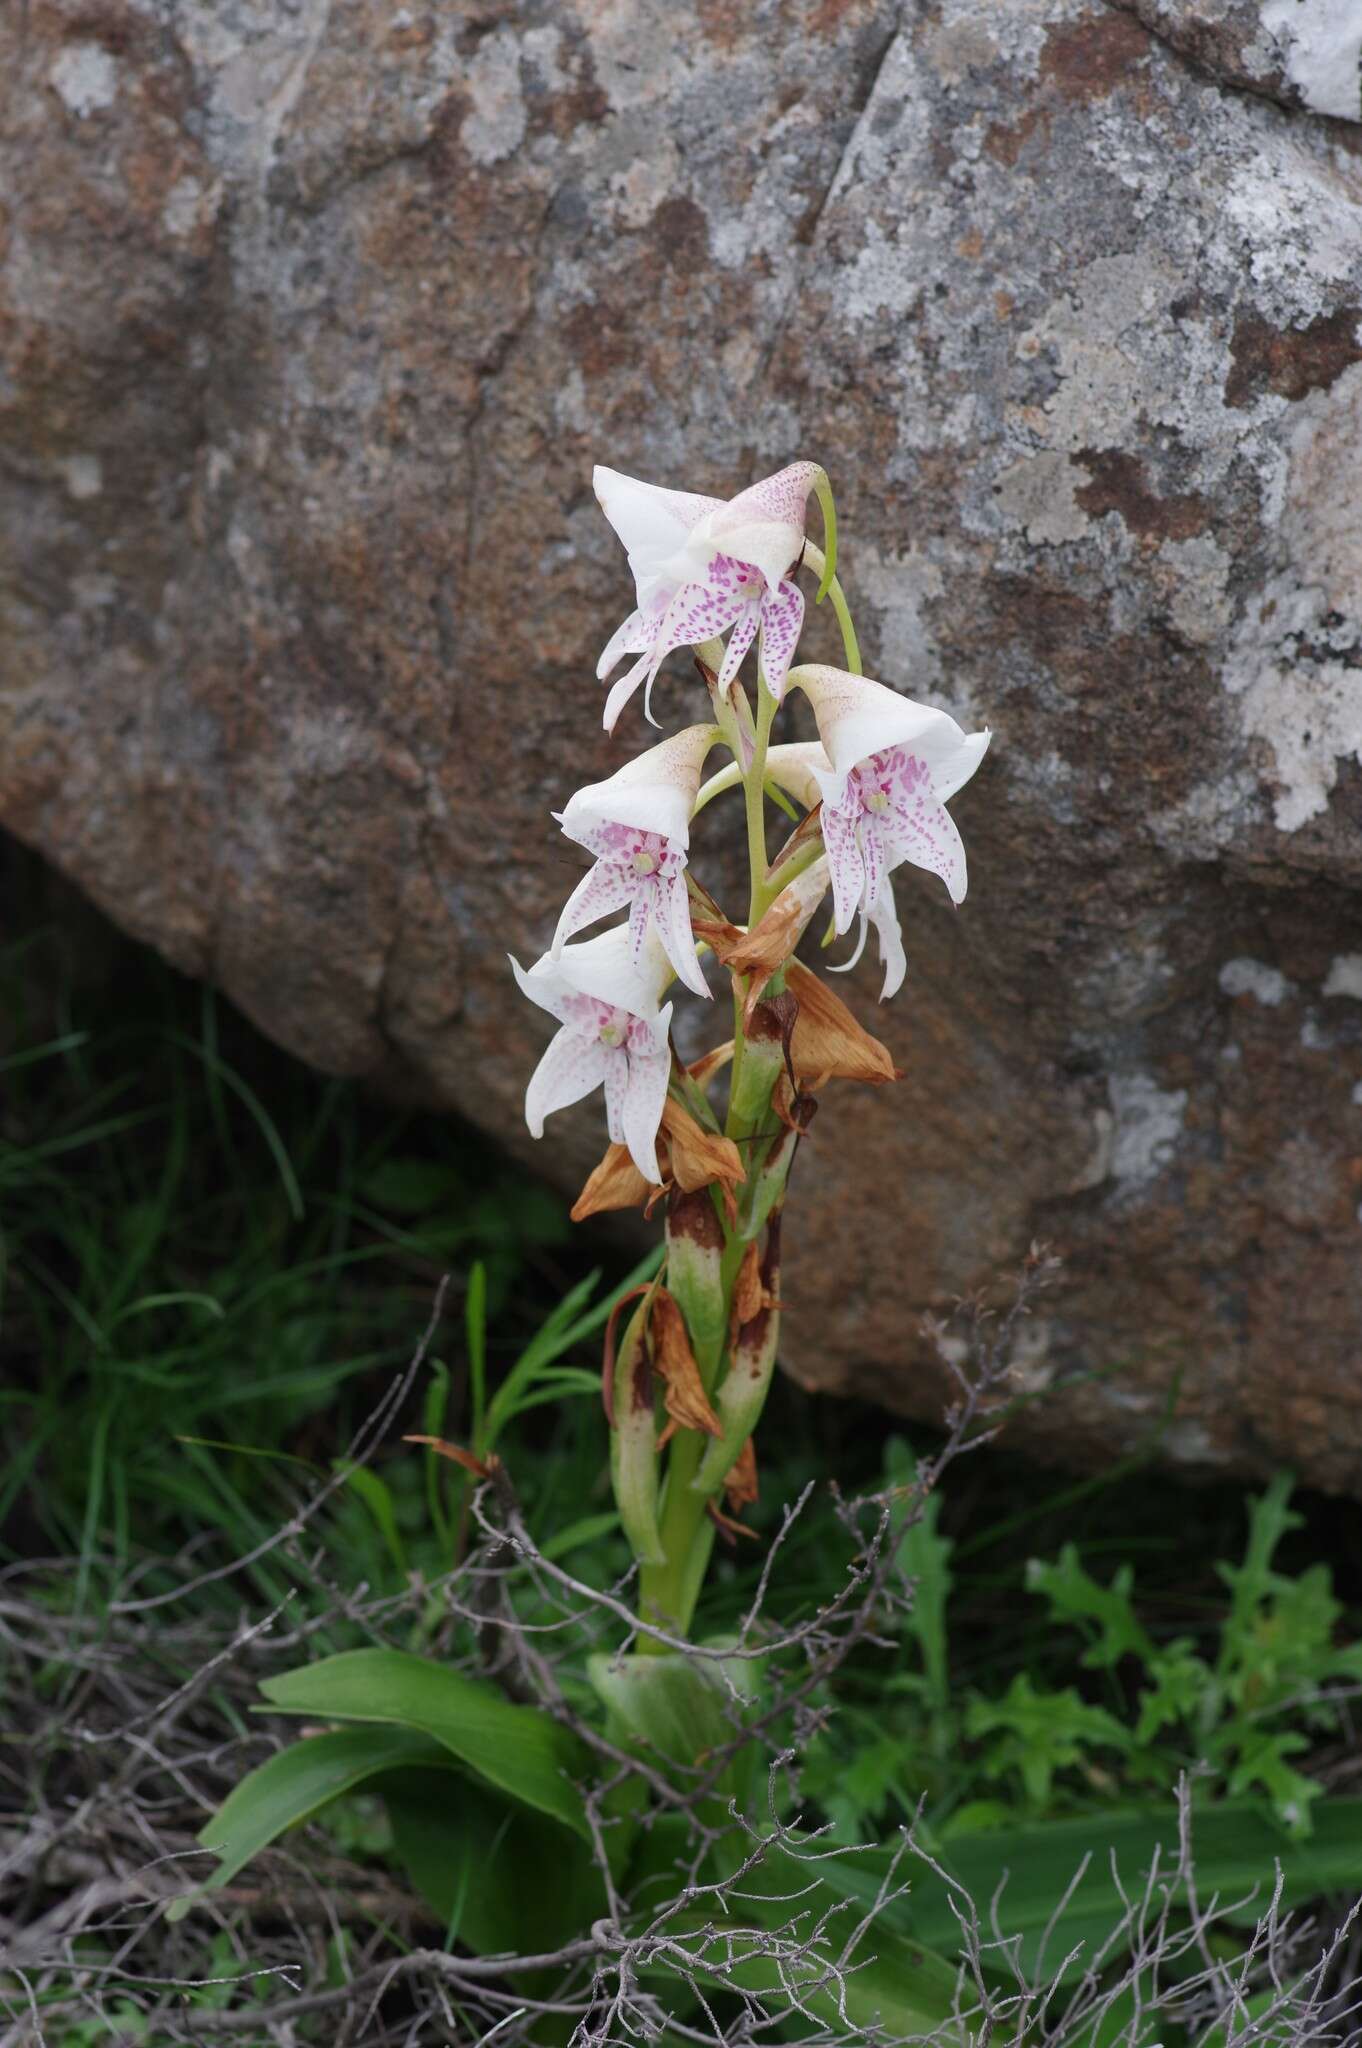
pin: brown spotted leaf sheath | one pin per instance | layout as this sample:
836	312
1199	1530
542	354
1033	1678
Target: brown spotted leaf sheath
742	1393
695	1251
633	1440
684	1396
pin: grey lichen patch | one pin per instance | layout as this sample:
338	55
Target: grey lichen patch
1248	977
1040	495
1295	665
1323	52
1147	1124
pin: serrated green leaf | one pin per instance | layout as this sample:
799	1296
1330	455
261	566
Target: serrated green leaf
1074	1595
516	1748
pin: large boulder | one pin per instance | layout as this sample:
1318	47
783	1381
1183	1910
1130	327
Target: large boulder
314	315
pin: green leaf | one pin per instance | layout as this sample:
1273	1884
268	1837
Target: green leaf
1184	1689
377	1498
1039	1733
500	1877
924	1554
295	1784
516	1748
893	1980
1236	1849
1074	1595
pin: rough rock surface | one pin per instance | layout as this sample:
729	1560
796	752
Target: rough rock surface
314	315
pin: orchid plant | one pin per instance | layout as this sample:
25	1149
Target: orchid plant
713	1141
466	1759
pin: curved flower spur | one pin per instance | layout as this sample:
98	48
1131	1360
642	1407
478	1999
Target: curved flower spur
689	1374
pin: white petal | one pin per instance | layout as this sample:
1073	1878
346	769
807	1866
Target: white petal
782	620
845	866
926	835
571	1067
764	524
635	636
740	639
845	966
654	524
543	984
956	771
885	918
795	767
623	690
655	792
858	717
644	1100
603	968
602	890
672	901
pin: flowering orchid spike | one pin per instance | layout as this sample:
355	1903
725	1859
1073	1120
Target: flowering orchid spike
702	565
637	824
613	1036
893	764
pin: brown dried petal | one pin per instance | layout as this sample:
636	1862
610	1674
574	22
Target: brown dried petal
615	1184
741	1487
699	1157
747	1288
827	1041
684	1396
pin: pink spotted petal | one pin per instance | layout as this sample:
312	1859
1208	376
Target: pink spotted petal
644	1099
602	889
671	905
782	621
640	917
923	832
741	638
571	1067
701	611
845	866
874	851
764	524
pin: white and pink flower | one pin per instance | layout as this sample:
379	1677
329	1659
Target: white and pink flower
637	824
892	765
613	1036
702	565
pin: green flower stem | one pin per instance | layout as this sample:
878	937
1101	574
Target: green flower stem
668	1591
814	557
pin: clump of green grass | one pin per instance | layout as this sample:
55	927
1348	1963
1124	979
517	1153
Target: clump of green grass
211	1258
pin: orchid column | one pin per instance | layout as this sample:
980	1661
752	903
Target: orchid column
687	1375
